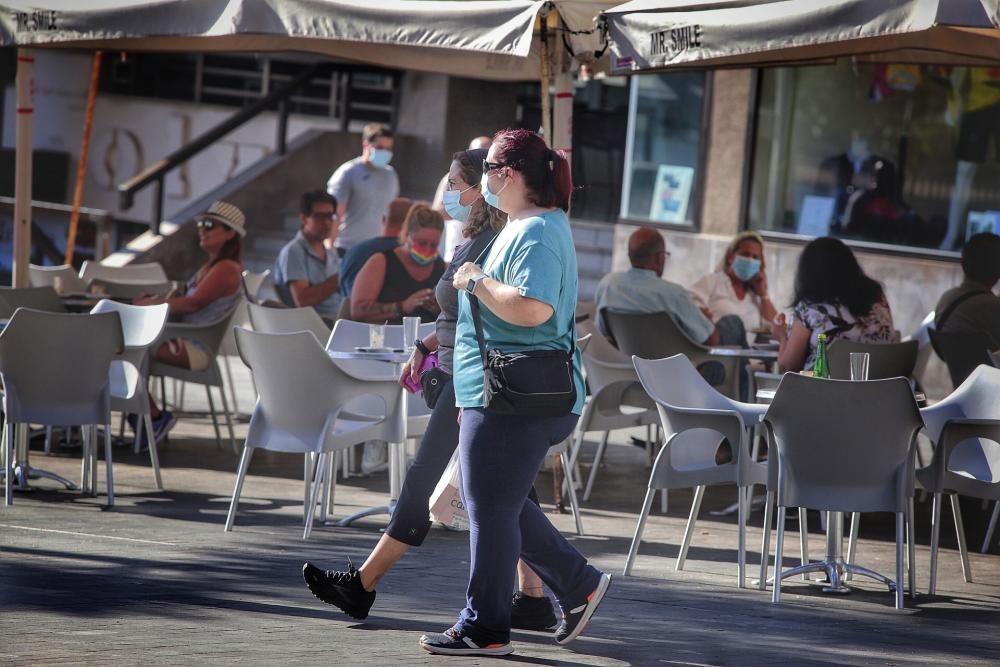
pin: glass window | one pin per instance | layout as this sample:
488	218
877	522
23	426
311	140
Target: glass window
663	148
902	155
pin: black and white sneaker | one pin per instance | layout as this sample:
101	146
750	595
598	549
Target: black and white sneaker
341	589
576	619
455	642
530	613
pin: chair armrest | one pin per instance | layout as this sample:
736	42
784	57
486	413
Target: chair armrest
209	335
958	430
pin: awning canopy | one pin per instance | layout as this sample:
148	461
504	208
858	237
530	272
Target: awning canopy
656	34
489	39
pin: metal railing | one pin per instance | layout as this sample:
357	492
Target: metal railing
156	173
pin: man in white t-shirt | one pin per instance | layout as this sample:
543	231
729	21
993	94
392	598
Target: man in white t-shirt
363	188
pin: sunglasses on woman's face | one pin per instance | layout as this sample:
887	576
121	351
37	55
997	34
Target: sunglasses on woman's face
492	166
207	225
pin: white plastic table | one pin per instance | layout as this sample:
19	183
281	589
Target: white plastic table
397	450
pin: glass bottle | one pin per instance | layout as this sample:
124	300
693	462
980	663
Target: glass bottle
821	369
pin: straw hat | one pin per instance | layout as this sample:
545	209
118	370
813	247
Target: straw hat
228	215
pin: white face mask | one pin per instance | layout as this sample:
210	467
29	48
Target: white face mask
452	201
491	198
380	157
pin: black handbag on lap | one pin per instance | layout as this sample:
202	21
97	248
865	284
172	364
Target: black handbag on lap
532	383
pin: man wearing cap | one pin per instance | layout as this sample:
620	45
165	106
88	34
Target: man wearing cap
307	273
363	188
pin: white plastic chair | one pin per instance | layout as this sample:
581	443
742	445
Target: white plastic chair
617	399
965	429
141	328
696	419
148	272
842	446
209	335
65	382
35	298
300	409
45	276
288	320
129	289
259	287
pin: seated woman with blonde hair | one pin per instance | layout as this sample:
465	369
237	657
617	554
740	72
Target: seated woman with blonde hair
400	282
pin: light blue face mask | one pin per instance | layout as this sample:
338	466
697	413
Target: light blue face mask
380	157
491	198
453	204
745	268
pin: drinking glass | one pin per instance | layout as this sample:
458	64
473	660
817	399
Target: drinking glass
58	284
859	366
411	331
376	336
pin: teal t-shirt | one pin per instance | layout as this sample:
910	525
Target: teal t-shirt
537	256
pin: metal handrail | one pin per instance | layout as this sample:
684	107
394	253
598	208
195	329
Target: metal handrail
156	172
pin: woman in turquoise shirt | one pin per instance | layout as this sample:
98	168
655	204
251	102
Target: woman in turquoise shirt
527	288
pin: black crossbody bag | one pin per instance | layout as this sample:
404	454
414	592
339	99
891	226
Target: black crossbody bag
531	383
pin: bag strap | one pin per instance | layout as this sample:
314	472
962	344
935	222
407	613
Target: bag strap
939	321
478	323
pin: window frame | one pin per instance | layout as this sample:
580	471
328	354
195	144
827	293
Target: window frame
886	249
698	186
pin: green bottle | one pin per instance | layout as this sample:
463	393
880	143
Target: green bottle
820	367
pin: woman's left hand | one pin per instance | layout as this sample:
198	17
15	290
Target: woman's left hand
465	273
759	284
147	300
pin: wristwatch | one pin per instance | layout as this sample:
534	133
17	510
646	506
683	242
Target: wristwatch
470	286
419	344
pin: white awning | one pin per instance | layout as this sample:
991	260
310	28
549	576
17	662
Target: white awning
490	39
655	34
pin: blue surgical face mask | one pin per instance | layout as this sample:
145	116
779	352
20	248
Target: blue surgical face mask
745	268
380	157
491	198
453	204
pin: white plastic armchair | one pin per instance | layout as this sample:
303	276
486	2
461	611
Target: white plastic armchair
45	276
965	430
299	409
696	419
288	320
67	382
147	272
141	328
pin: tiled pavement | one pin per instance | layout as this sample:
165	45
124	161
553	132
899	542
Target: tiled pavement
157	581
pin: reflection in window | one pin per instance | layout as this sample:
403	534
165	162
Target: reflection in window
893	154
664	146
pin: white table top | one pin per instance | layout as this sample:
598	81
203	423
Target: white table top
391	356
746	353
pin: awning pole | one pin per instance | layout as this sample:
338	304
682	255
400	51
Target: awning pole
23	144
546	78
81	167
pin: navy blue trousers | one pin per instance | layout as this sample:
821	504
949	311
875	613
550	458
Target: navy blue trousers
500	456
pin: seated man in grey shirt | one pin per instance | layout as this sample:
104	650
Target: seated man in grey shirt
307	273
972	307
641	289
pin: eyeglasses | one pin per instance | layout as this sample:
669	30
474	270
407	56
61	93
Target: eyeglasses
207	225
492	166
322	217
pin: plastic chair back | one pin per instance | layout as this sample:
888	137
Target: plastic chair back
148	272
298	388
66	380
288	320
141	325
649	335
35	298
885	360
130	289
842	445
259	287
44	276
961	352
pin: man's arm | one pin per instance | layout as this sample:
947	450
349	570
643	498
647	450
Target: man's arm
304	294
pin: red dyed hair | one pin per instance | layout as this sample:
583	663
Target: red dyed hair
546	172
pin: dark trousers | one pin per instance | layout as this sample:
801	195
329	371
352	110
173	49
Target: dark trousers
410	521
500	457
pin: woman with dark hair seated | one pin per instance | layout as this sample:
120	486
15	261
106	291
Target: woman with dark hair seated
833	296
